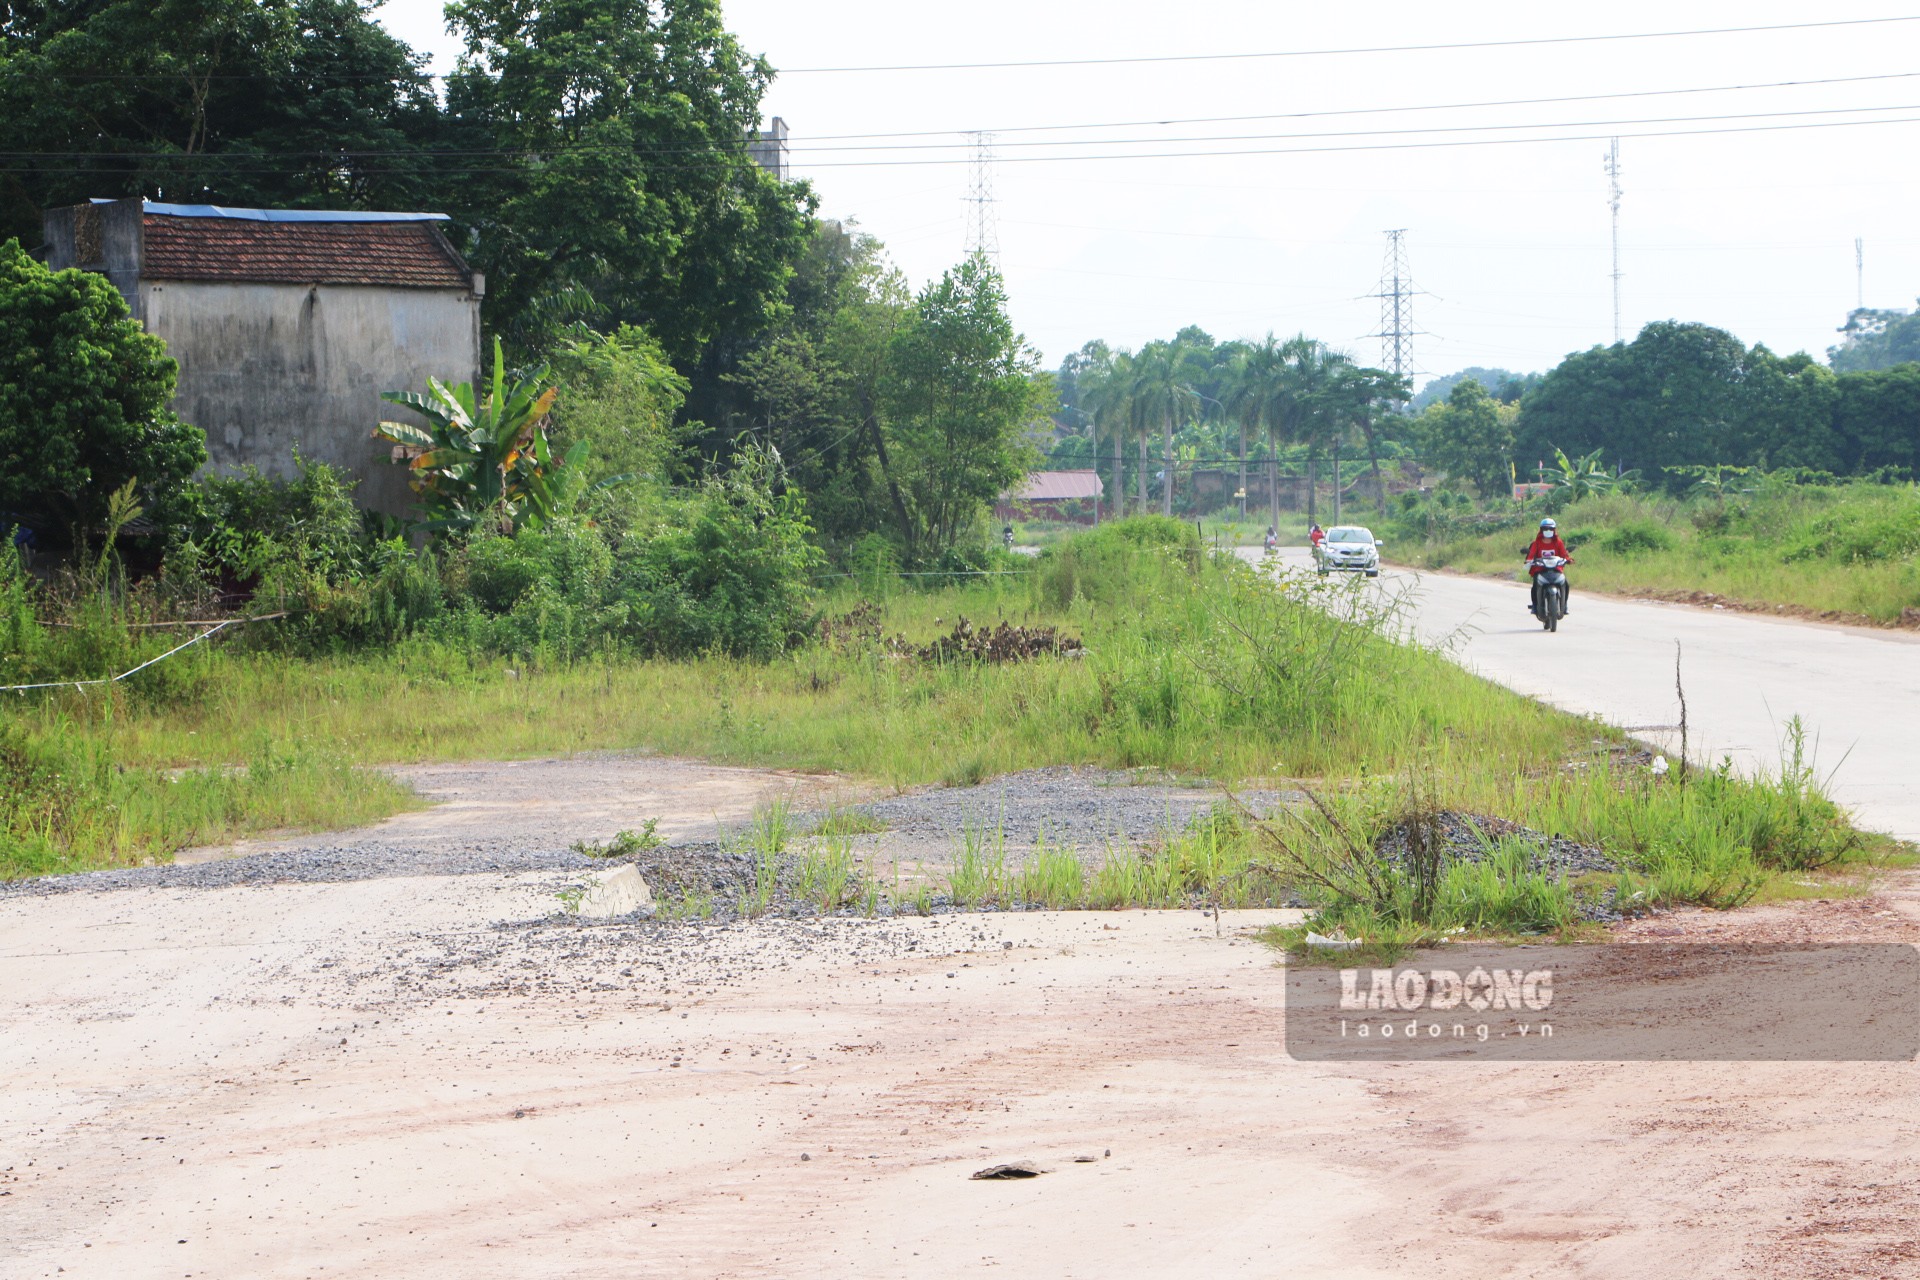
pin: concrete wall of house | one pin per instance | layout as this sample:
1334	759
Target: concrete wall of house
268	369
107	238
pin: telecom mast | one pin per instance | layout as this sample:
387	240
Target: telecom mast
983	236
1859	272
1613	203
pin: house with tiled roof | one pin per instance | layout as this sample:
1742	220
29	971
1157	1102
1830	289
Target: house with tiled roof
1072	496
287	323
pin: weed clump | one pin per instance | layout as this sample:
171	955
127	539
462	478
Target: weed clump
623	845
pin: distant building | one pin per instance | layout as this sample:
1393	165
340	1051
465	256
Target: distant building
288	324
1072	496
768	147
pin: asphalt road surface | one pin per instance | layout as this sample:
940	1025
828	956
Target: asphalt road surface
1856	689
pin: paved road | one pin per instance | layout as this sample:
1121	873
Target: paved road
1856	689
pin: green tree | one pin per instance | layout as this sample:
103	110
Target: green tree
618	131
83	404
1257	397
239	102
1672	396
1877	419
618	395
1468	437
1786	413
1104	387
1159	395
1876	339
812	387
960	393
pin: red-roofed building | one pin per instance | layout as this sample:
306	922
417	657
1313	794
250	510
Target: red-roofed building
287	323
1054	495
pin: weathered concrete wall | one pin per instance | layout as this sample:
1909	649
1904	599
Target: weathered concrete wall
107	238
266	369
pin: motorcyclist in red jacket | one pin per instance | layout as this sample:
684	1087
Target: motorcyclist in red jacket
1547	540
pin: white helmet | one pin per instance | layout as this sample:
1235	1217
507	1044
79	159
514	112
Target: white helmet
1548	526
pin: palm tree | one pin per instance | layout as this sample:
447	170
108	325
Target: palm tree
1255	390
1106	393
1160	394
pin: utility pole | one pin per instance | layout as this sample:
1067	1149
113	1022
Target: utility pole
1396	307
1613	203
983	235
1336	480
1859	272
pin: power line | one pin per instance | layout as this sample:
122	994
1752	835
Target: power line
1381	146
972	141
1329	53
1374	111
1373	133
413	170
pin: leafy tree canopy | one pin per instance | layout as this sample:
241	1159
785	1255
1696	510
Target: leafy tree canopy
304	103
83	403
1504	385
618	134
1470	437
1876	340
959	395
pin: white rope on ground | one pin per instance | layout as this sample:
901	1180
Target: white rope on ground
82	684
929	573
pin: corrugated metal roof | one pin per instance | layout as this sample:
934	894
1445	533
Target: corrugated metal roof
1045	486
280	215
408	253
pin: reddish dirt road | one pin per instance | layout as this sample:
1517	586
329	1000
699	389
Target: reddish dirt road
372	1079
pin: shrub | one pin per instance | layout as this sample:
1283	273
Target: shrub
1105	565
83	403
727	569
1636	537
619	394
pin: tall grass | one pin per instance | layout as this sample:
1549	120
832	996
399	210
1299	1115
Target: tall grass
1849	548
1195	664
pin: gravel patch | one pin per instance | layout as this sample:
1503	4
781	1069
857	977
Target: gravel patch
1085	809
1088	809
1466	837
1471	838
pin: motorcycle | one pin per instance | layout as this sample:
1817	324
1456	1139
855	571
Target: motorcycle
1006	536
1272	543
1550	590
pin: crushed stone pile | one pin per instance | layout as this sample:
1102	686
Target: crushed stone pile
1472	837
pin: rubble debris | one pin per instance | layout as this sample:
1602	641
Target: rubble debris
1009	1172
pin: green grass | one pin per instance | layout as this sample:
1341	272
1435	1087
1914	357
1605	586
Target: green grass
1196	666
848	822
1851	549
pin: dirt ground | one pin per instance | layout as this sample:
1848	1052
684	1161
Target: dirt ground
429	1075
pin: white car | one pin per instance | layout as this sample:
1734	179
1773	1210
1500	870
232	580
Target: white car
1350	549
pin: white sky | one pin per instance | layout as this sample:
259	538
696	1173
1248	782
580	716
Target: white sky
1752	232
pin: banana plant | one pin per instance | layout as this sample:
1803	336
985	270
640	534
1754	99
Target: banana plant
1585	477
480	456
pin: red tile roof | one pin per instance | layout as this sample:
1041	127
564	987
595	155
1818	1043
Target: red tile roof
1045	486
412	255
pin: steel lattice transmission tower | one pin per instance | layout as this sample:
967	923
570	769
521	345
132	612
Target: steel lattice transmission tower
983	236
1613	203
1396	307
